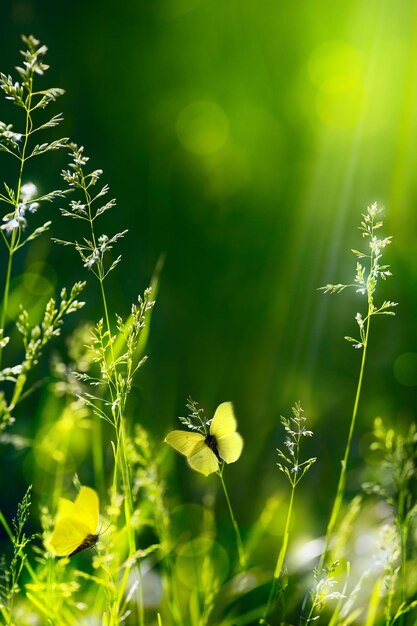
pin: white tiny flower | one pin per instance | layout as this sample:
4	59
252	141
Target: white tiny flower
27	191
10	225
33	207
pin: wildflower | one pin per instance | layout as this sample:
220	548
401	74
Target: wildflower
10	224
28	191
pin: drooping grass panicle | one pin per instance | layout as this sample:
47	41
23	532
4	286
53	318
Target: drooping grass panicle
118	360
115	346
23	199
94	248
290	463
294	468
323	592
366	281
34	338
10	572
196	419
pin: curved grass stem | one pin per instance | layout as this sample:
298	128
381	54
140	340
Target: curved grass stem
337	503
239	544
14	242
280	559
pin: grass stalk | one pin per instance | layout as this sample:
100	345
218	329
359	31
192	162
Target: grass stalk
238	538
284	546
365	282
337	503
121	466
280	559
14	242
6	290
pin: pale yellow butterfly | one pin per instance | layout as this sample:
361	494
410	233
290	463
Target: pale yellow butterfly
75	525
222	443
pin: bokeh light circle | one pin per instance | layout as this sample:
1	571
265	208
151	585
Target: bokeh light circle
202	127
335	68
405	369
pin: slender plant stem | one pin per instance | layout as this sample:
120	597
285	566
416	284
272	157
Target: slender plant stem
241	552
337	503
120	462
311	613
284	546
16	233
281	557
6	294
402	525
98	464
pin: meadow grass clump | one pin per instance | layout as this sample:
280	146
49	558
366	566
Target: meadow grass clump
116	349
116	542
21	199
394	484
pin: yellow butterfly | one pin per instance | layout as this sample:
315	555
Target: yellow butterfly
75	525
222	443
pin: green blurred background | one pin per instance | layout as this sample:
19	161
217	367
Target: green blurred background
242	141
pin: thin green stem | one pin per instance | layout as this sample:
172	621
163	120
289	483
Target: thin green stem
402	525
337	503
310	613
14	242
98	464
121	465
284	546
239	544
281	557
6	295
119	423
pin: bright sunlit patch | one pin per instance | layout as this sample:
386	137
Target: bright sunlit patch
335	68
305	552
203	127
64	441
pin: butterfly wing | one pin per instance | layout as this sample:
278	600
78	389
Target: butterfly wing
230	447
193	446
65	508
224	421
203	459
67	536
223	427
86	509
184	442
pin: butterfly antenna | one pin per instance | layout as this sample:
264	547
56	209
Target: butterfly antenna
101	532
